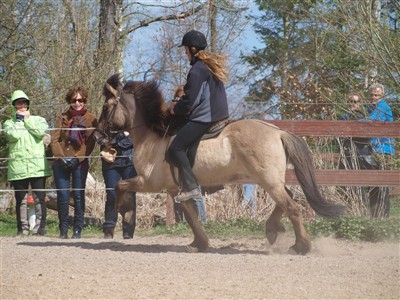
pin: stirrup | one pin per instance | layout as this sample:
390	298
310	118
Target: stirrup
184	196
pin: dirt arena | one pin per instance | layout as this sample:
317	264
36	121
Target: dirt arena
161	268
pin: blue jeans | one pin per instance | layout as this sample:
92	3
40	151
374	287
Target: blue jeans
111	175
248	199
62	178
201	209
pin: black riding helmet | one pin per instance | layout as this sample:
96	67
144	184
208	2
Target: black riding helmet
195	39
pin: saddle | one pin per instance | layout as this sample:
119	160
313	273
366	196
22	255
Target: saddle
212	132
215	129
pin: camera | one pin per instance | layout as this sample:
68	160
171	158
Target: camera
20	117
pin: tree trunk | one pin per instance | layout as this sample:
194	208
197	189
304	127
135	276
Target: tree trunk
110	42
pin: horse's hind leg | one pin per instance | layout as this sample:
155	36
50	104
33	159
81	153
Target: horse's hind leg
293	212
274	225
200	242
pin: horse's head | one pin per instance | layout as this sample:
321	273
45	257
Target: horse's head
136	105
113	117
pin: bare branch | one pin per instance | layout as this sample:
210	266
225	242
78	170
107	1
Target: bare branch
144	23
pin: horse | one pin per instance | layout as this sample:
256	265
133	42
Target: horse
250	150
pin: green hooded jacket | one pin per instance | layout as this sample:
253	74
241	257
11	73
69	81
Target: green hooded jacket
26	158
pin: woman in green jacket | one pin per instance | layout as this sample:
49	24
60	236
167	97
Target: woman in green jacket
27	164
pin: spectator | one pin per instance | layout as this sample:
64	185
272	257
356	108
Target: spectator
203	104
27	164
367	149
71	144
117	164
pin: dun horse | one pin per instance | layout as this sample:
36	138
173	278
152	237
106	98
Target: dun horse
245	150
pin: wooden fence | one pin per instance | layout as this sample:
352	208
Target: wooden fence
365	129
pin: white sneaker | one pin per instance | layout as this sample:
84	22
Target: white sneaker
183	196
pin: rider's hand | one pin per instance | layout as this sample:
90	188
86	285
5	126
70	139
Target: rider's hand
171	108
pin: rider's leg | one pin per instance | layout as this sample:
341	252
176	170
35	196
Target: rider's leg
190	133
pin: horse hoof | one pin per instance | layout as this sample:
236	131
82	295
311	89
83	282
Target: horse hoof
191	249
271	236
301	249
272	230
195	247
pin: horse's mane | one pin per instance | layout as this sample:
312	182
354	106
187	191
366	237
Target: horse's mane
150	101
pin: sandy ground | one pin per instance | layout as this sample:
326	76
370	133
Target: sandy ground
161	268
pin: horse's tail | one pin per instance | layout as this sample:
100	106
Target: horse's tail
300	157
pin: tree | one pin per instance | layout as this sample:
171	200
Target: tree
50	45
318	51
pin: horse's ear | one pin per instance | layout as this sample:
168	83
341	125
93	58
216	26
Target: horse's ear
112	90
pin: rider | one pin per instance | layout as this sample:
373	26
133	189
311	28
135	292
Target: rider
203	104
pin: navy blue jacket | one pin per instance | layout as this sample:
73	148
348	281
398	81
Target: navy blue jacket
205	97
123	145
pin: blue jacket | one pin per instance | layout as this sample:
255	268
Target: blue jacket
205	98
381	112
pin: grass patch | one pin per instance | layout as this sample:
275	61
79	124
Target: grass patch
8	226
356	228
395	206
353	228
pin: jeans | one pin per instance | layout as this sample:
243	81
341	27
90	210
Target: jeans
183	145
62	178
248	197
111	177
21	189
201	209
379	201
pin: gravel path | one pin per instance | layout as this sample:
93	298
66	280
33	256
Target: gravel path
160	268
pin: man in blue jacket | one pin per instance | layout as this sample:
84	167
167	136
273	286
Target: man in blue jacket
377	110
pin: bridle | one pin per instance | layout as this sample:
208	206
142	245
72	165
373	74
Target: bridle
106	133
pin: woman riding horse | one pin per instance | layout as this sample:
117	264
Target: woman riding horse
203	103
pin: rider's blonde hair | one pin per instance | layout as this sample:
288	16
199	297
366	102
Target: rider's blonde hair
215	62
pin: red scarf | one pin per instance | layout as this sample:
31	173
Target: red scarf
77	137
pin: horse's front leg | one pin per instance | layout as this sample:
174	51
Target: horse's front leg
200	242
125	203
